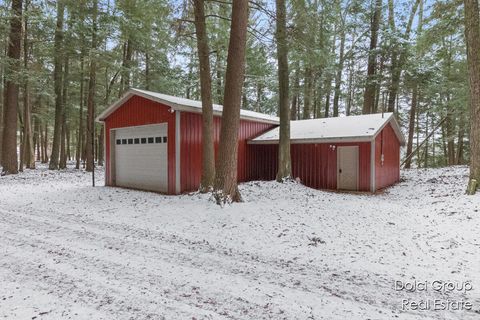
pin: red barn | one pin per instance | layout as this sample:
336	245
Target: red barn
360	153
153	141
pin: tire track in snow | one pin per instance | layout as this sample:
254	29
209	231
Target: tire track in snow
371	300
71	283
112	263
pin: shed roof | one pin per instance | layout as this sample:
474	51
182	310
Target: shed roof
182	104
338	129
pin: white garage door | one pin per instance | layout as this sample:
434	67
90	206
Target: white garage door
141	157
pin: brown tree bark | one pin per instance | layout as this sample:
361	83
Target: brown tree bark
45	144
461	133
369	94
399	57
101	147
308	92
295	92
284	162
79	149
338	76
411	126
63	147
9	142
28	145
36	138
226	188
57	78
90	148
472	36
126	66
208	151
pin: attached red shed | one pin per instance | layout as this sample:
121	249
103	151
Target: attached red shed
360	153
153	141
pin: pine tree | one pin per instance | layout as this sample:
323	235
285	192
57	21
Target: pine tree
9	143
472	36
208	152
226	188
284	162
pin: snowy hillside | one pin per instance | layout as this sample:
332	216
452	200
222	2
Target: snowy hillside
70	251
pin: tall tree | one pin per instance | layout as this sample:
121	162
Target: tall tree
208	151
58	82
472	36
90	149
28	145
226	188
369	95
415	94
9	143
399	54
341	61
284	161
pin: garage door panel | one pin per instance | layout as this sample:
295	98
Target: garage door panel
142	165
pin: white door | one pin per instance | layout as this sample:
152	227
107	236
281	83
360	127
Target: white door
141	157
347	168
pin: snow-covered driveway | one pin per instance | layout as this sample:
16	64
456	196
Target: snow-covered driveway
69	251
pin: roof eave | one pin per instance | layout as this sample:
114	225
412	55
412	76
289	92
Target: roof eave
132	92
317	140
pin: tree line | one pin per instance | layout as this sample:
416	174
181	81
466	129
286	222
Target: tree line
64	62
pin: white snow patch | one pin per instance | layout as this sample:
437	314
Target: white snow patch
288	252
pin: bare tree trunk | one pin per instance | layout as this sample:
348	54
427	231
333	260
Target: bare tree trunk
101	147
20	166
369	95
9	143
426	141
147	71
218	77
328	89
63	149
45	144
450	140
36	138
126	66
57	77
399	56
351	79
208	152
284	162
308	90
472	35
295	91
2	104
90	147
79	151
28	151
411	126
42	142
68	136
338	77
226	188
461	133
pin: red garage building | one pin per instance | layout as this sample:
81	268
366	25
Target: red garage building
360	153
153	142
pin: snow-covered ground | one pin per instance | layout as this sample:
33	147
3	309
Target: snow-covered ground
70	251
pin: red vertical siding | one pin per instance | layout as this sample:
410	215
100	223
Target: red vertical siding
191	148
314	164
387	173
139	111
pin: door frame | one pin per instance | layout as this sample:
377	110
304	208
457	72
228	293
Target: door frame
357	168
